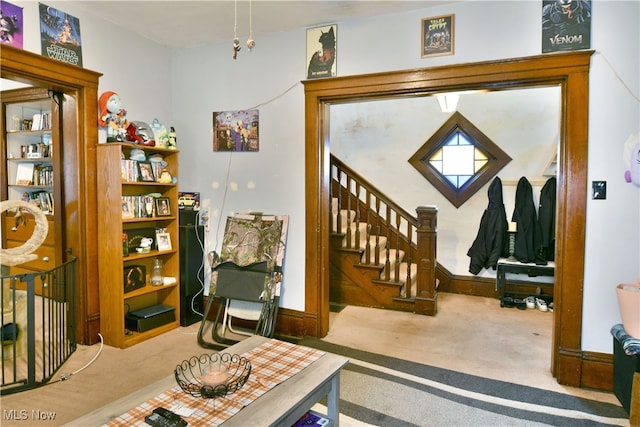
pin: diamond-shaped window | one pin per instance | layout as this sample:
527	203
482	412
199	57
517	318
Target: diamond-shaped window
459	159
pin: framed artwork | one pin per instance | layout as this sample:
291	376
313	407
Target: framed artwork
566	25
321	52
127	209
145	172
60	35
163	207
12	24
437	36
236	130
164	241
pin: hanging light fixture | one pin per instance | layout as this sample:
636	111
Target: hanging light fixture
251	43
236	40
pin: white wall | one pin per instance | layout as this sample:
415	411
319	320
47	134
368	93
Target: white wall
136	68
182	88
207	79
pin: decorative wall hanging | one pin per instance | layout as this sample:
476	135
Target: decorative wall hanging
251	43
236	130
566	25
438	36
60	35
321	52
11	24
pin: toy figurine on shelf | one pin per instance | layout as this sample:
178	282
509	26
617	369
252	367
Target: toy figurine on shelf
113	117
172	144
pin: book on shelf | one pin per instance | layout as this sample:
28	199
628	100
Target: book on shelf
24	174
44	200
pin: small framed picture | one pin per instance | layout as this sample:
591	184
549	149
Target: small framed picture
145	172
127	209
437	36
164	241
163	207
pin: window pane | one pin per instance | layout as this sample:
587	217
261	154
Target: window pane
458	160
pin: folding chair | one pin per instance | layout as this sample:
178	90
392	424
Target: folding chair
246	278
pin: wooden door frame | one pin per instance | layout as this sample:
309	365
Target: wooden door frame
78	155
570	71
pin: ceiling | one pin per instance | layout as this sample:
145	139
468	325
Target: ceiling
182	24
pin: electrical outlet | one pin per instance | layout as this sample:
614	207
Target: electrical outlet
599	190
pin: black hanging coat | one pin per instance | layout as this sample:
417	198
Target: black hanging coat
527	244
547	219
491	242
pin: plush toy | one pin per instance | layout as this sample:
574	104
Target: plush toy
113	117
631	158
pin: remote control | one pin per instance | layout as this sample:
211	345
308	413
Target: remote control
162	417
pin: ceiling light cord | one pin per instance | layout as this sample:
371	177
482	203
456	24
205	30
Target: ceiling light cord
236	40
251	43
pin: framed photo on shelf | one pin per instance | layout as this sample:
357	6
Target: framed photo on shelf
163	206
164	241
437	36
145	172
127	209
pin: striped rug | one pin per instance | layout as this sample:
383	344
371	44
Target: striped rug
386	391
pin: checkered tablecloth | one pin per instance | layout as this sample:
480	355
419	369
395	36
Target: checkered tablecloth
271	363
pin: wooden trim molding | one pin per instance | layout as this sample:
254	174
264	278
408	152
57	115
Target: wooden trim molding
568	70
79	156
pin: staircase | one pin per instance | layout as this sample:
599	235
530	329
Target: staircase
380	255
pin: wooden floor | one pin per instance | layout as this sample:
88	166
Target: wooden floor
469	334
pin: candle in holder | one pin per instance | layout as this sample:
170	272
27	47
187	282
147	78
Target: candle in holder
216	374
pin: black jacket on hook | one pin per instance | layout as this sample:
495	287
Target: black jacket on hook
491	242
547	219
528	231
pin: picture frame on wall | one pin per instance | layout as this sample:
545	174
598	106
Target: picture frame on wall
321	51
566	26
438	35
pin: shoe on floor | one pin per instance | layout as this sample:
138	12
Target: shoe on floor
508	302
520	304
541	304
550	307
531	302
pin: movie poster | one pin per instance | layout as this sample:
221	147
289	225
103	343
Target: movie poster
321	52
566	25
60	35
236	130
11	24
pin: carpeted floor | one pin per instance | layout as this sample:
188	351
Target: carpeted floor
473	364
408	393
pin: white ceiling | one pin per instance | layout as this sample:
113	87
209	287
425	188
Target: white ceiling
182	23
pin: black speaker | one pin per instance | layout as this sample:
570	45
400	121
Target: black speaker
191	272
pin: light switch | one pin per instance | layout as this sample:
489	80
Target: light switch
599	190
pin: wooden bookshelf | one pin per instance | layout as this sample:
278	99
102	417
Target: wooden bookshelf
115	186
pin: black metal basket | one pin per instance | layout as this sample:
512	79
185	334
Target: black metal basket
189	374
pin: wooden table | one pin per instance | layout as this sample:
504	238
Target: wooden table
282	405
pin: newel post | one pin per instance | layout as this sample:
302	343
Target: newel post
426	293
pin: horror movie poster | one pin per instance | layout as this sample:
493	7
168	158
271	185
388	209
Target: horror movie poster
437	36
566	25
60	35
11	24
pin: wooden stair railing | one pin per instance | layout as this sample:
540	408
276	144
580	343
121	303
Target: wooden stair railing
387	235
